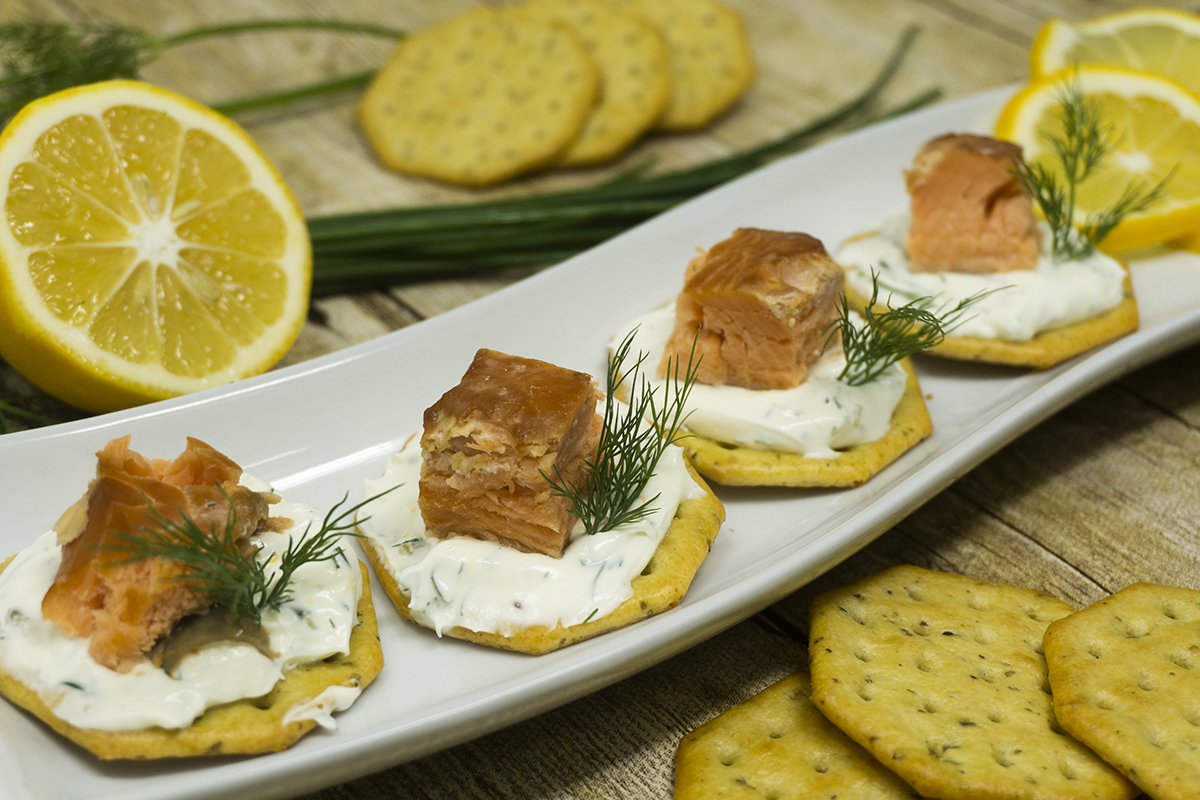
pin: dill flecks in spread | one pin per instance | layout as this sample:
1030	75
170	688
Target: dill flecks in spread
1023	303
484	586
816	418
314	620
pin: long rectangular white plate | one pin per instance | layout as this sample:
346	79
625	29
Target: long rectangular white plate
315	431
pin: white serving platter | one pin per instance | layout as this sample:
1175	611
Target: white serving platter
315	431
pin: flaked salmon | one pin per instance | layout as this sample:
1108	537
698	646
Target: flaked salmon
488	442
125	608
756	305
969	213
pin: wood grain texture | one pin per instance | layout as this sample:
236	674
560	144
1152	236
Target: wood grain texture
1101	495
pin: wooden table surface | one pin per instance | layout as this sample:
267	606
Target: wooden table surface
1101	495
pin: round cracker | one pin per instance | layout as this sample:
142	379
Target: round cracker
635	75
710	57
660	586
480	98
1123	675
246	727
778	745
1044	350
941	677
732	465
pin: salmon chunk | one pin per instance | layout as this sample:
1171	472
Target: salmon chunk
969	214
756	305
125	608
487	443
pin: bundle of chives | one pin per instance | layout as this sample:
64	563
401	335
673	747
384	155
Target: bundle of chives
370	250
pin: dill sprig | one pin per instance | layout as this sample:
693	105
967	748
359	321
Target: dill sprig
40	58
629	449
885	337
231	575
1083	145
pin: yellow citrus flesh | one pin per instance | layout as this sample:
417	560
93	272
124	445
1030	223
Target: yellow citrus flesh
1159	40
1156	126
148	248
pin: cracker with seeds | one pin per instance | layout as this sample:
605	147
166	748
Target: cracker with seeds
480	98
732	465
1123	672
244	727
777	745
1044	350
635	75
710	58
942	678
659	587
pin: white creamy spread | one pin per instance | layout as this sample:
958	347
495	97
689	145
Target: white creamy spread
1027	301
816	418
314	624
320	709
486	587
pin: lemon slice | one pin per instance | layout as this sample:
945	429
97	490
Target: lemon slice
1158	40
1156	123
148	248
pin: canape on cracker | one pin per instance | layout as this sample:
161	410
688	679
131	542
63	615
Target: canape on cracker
526	520
970	228
181	608
779	399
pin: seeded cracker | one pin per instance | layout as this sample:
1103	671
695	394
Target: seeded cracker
731	465
660	586
777	745
1123	671
942	678
480	98
710	57
254	725
1044	350
635	75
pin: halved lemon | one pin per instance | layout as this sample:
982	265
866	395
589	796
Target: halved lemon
1156	127
148	248
1159	40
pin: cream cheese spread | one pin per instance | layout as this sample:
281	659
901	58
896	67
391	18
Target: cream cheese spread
817	418
315	623
487	587
1025	303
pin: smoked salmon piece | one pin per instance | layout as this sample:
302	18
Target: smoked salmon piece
125	608
488	441
969	214
756	305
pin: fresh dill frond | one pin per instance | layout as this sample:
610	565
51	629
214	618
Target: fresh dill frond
1079	150
40	58
885	337
632	442
231	575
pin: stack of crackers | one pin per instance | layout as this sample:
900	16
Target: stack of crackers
492	94
927	684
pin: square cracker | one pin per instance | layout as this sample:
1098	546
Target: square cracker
1123	671
660	586
777	745
732	465
941	677
480	98
1044	350
245	727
